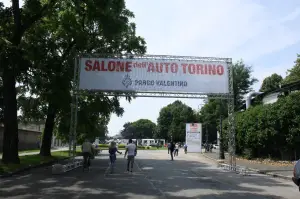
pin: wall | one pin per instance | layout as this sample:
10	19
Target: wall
31	127
271	98
27	139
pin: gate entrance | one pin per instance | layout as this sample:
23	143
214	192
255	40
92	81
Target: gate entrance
153	76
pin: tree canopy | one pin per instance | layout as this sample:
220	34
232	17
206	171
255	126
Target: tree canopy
261	127
216	109
242	82
271	83
172	119
140	129
293	73
44	41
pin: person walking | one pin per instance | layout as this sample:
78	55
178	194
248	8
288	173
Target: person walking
169	144
88	151
112	155
131	150
185	148
176	149
172	148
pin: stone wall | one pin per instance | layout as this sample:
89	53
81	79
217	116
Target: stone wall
27	139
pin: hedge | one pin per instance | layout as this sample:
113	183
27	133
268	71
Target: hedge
122	146
268	131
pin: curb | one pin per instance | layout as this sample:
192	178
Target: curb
275	175
10	174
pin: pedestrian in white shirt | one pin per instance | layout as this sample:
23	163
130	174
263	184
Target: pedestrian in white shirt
176	149
131	150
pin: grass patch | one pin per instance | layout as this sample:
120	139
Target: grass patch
27	151
32	160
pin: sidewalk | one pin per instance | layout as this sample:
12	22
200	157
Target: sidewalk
285	171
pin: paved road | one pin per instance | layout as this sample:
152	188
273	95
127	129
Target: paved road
155	176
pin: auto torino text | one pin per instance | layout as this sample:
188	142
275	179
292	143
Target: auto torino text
155	67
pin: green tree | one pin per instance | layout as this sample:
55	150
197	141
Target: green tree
242	82
1	102
172	119
261	127
210	115
58	45
15	22
216	110
271	83
211	112
293	73
128	131
144	128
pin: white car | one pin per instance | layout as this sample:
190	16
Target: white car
216	146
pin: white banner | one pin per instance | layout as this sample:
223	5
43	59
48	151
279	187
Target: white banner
194	137
153	75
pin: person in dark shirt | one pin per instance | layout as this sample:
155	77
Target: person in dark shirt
172	148
169	144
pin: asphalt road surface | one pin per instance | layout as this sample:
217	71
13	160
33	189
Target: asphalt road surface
155	176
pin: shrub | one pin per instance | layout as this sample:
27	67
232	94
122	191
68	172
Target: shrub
270	130
121	146
103	145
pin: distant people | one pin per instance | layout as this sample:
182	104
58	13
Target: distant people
185	148
169	144
176	149
172	148
131	150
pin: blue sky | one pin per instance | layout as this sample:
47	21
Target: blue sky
264	33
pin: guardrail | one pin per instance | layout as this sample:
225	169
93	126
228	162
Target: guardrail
238	169
60	168
73	165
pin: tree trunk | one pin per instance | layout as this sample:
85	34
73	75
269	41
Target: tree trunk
221	154
48	131
10	134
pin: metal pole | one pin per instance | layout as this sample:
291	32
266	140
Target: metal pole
206	134
221	149
75	127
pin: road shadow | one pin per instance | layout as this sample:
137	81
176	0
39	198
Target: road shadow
154	176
